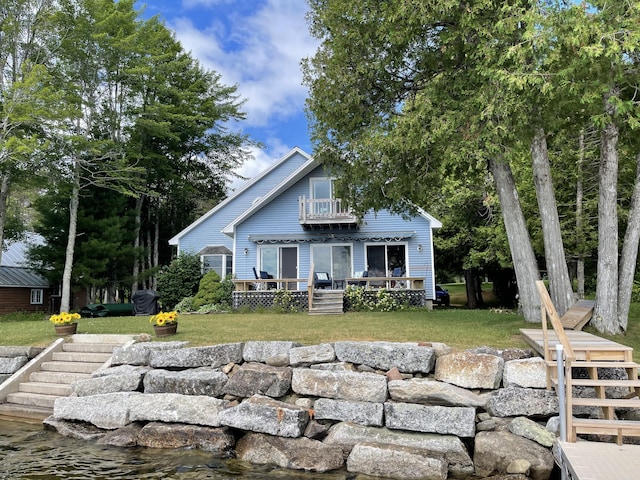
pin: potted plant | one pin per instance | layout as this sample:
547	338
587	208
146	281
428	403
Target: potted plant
164	323
65	323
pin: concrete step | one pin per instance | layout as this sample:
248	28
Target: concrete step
59	389
90	347
91	357
73	367
326	310
12	411
57	377
32	399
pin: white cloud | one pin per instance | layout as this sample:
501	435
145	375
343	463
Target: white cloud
261	53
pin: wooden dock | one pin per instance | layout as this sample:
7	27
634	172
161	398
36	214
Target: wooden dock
585	345
600	461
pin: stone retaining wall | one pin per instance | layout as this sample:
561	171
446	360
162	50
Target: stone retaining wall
403	410
13	359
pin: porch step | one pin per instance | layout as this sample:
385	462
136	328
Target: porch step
327	302
34	399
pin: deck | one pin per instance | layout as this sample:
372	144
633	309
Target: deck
585	345
599	461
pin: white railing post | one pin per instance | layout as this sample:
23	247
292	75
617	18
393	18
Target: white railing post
561	392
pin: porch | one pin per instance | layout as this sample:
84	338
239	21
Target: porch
298	299
301	284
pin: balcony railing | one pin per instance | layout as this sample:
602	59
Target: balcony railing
324	212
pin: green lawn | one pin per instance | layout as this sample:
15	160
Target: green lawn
457	327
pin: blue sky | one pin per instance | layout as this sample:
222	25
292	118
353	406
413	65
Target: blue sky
256	45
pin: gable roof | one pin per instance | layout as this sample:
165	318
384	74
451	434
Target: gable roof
306	168
21	277
241	190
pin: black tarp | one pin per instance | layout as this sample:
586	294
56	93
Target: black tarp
145	302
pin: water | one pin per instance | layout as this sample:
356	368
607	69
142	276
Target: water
27	451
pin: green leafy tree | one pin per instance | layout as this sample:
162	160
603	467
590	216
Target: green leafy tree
179	280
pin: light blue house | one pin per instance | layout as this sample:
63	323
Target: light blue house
287	219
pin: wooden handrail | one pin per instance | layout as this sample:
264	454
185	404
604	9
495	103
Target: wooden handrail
549	313
310	285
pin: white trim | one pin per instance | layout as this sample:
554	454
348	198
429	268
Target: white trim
175	240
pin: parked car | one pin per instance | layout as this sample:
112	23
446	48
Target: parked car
442	296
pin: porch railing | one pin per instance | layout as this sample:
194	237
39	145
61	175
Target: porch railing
324	209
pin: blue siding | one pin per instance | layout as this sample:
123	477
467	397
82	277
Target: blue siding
279	216
208	232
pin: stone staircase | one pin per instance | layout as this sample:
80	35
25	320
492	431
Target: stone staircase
327	302
32	391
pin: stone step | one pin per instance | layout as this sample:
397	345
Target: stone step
57	377
32	399
24	413
90	347
59	389
72	367
92	357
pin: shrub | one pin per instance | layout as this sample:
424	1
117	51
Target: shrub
185	305
179	280
284	302
213	291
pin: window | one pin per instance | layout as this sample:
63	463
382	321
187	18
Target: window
37	295
216	263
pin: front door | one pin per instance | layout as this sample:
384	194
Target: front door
289	264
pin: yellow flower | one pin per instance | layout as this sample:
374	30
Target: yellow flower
64	318
164	318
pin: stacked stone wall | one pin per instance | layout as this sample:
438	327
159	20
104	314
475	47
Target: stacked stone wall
399	410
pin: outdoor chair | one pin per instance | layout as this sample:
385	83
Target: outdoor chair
397	272
322	280
265	276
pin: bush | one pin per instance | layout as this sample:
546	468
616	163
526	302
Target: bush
213	291
179	280
185	305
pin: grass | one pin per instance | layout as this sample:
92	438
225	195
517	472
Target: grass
456	326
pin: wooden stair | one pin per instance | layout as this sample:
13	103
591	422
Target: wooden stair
31	395
327	302
596	356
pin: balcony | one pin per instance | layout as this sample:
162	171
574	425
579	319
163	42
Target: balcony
325	213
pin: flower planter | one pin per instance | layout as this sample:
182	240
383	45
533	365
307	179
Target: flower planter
67	329
165	330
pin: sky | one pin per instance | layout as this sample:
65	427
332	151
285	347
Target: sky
256	45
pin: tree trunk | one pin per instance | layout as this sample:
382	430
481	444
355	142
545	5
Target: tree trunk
156	254
470	285
478	283
605	317
524	262
136	245
4	194
629	254
579	232
559	281
71	241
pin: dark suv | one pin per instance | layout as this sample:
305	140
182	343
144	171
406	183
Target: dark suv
442	296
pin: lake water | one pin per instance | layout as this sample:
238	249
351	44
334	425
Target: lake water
28	451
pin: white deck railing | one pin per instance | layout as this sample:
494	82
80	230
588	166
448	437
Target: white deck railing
330	209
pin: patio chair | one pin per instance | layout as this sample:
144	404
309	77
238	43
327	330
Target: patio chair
265	276
322	280
397	272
